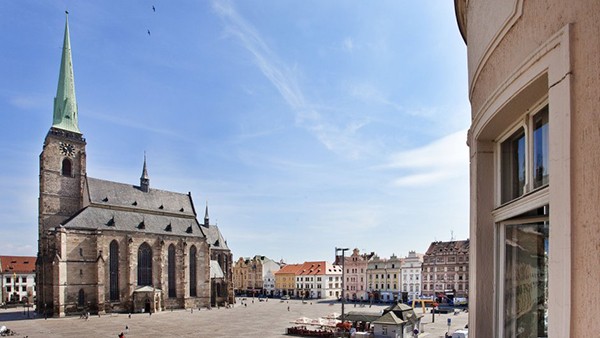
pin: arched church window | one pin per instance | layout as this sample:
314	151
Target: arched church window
171	272
81	298
144	265
66	167
114	270
193	280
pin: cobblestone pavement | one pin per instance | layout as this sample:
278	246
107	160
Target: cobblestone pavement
256	319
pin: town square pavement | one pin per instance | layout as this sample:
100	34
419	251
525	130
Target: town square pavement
255	319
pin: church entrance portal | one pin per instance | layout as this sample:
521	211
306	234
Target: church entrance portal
147	306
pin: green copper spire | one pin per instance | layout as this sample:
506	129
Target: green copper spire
65	104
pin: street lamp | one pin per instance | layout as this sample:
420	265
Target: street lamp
343	250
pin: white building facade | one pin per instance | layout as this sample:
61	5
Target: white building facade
411	274
17	279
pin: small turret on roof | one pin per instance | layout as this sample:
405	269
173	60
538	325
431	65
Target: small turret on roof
144	179
206	218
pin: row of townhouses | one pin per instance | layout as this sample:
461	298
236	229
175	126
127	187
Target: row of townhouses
441	272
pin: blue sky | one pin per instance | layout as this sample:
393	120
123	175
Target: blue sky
306	125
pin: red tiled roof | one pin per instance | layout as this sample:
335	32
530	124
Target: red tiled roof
313	268
289	269
17	264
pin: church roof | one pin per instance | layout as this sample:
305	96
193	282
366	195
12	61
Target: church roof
93	217
215	270
124	207
214	237
107	193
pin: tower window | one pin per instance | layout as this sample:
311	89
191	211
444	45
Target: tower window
66	167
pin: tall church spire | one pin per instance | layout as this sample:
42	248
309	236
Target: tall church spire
65	104
145	180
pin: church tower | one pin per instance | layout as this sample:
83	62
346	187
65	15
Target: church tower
62	161
62	172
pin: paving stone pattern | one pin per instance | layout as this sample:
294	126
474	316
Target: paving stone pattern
256	320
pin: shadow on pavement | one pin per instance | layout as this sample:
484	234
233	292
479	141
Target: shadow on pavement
8	316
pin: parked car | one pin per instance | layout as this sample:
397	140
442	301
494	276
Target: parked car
285	297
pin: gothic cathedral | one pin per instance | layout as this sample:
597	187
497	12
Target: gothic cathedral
105	246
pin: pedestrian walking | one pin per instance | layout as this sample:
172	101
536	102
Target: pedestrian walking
127	329
288	309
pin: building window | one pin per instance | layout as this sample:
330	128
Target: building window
24	279
525	148
144	265
513	166
540	148
23	288
171	272
193	279
8	279
114	270
66	169
525	279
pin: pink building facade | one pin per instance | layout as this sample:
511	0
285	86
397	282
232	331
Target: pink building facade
356	275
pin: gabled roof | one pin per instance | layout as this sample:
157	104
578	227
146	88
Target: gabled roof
215	270
114	194
402	313
358	316
389	318
146	288
313	268
17	264
289	269
448	247
215	238
93	217
123	207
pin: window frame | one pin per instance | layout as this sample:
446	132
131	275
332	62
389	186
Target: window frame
525	122
500	270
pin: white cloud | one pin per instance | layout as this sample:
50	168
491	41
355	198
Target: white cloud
442	159
29	102
348	44
336	139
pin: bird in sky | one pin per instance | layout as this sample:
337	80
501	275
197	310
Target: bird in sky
148	32
153	8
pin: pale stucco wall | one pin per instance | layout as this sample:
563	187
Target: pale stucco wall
521	29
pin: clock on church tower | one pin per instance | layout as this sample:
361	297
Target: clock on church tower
62	161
